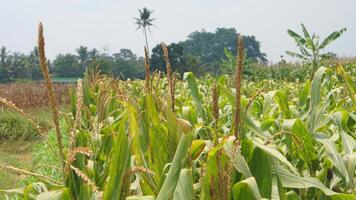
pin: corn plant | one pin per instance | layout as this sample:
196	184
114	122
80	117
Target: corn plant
128	140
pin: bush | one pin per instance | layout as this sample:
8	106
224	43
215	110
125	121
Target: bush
13	126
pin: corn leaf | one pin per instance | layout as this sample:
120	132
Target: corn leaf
171	181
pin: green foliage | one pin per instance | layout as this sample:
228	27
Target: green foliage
310	48
299	141
14	127
210	45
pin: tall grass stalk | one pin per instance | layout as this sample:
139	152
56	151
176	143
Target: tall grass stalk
26	172
51	96
215	99
238	77
169	73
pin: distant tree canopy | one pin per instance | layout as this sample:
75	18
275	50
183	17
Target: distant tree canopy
18	65
203	51
123	65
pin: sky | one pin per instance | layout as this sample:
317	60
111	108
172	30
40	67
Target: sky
108	25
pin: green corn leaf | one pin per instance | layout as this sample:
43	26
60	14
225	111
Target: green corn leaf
291	195
262	172
246	189
305	144
304	93
140	198
171	181
315	98
197	148
348	83
334	156
290	180
237	159
184	189
281	191
283	104
118	166
348	143
273	152
193	86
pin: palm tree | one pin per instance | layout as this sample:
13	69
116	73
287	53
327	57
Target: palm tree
144	21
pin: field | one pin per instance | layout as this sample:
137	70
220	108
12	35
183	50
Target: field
213	137
303	133
26	95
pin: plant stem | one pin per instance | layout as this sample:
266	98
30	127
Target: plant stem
238	77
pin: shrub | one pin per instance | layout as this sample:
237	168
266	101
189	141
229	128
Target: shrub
13	126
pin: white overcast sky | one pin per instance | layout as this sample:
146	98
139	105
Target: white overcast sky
109	24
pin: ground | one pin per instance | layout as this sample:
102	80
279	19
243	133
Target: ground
17	154
20	153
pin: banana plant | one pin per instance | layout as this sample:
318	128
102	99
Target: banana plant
310	47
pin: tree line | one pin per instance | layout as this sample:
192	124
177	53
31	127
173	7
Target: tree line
202	52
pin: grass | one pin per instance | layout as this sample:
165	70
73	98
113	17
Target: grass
18	154
25	154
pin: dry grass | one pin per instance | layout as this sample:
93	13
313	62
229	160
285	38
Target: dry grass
240	57
28	95
51	94
215	102
169	74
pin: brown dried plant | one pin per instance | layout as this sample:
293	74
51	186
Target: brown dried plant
27	95
215	99
238	77
87	180
26	172
51	95
171	82
220	186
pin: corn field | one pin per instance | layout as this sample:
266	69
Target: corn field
26	95
165	138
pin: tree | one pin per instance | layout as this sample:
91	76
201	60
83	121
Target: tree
203	51
209	47
94	54
83	56
33	65
144	21
176	58
17	67
67	66
103	64
127	65
125	54
309	46
4	65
